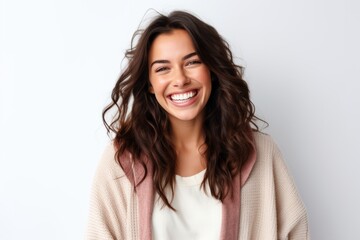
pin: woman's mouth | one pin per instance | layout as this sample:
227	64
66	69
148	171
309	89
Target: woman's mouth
182	97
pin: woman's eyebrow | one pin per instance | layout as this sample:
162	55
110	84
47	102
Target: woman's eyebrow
159	61
167	61
189	55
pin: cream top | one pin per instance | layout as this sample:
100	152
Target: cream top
197	215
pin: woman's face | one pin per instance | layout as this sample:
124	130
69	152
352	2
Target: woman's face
180	81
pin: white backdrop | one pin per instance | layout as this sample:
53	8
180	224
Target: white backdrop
60	59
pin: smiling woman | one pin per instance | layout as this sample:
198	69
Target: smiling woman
188	160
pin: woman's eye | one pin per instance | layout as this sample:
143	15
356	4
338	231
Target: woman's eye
193	62
161	69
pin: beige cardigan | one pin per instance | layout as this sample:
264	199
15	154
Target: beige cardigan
270	206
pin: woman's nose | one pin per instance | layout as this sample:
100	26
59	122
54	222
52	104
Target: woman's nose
180	79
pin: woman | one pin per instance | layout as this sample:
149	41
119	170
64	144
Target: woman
186	145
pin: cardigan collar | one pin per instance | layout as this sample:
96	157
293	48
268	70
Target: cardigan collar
145	193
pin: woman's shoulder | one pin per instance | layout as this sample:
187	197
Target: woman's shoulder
268	154
109	164
264	143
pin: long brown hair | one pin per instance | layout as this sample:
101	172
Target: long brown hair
142	127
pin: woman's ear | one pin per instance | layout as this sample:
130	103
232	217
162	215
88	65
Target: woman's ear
151	89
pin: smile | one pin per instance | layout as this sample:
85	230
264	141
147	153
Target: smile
181	97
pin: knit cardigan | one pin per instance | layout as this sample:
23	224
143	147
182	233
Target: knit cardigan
267	207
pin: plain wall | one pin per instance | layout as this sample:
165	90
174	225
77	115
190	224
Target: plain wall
60	59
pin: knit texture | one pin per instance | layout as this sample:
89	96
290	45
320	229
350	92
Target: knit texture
270	205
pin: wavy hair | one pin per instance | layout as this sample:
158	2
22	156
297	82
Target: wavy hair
142	127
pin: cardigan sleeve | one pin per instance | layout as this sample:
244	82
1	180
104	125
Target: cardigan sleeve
292	221
109	201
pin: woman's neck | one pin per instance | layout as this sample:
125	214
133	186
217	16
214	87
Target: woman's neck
187	133
188	139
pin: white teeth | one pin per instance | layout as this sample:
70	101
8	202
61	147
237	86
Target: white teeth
183	96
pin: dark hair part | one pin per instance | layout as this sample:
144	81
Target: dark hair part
143	129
